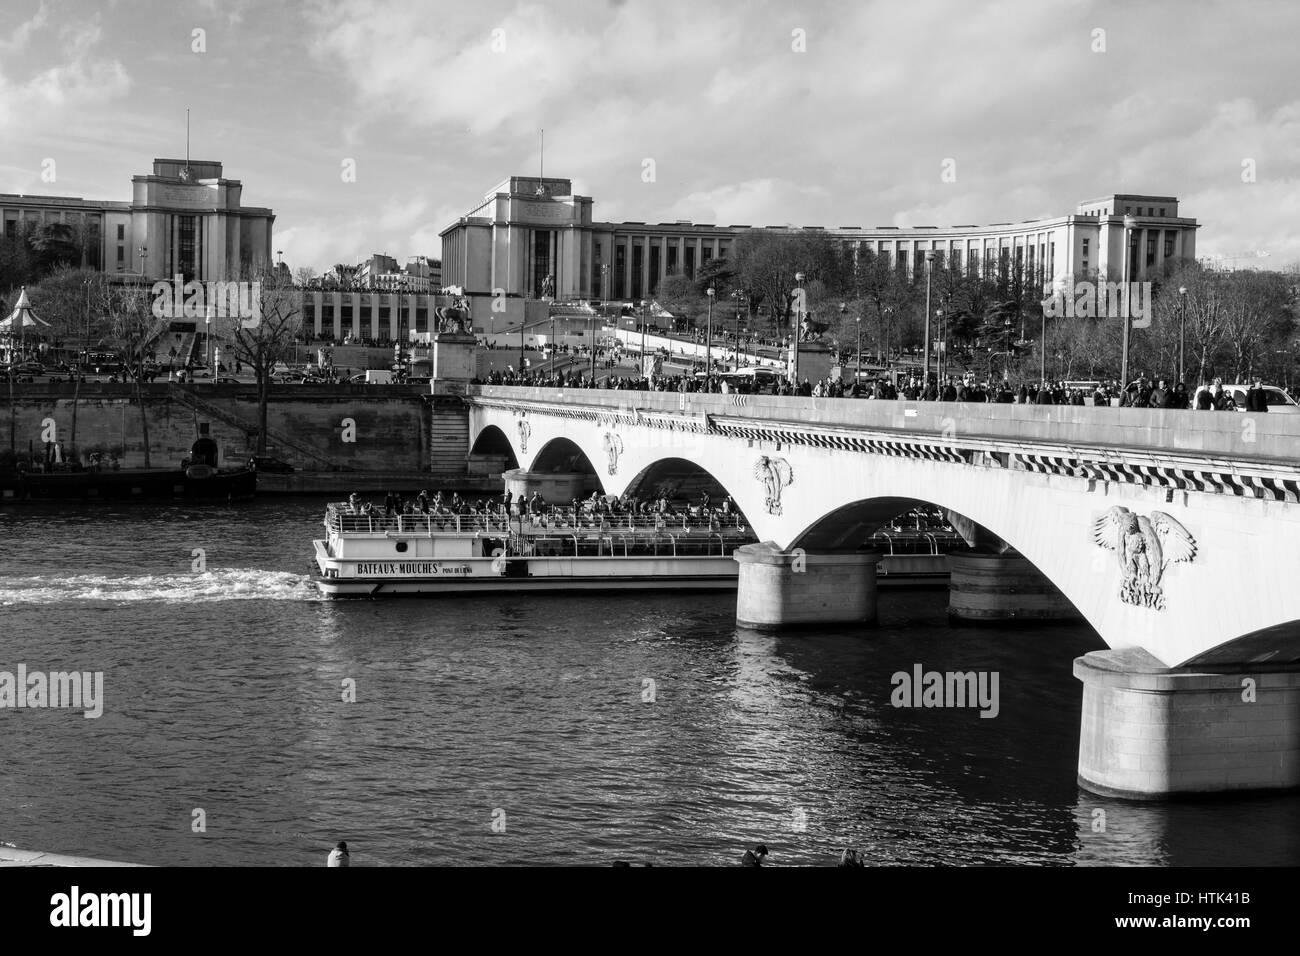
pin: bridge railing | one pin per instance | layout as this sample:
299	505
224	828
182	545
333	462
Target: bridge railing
1229	436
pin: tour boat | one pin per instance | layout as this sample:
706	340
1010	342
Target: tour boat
376	555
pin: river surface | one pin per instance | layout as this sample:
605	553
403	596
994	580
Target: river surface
513	730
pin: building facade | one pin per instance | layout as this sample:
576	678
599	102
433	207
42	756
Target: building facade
183	219
531	236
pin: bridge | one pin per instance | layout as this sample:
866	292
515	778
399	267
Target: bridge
1173	533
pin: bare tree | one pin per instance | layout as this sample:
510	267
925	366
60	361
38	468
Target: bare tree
133	329
262	341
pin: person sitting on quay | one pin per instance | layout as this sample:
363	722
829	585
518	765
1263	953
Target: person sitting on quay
754	857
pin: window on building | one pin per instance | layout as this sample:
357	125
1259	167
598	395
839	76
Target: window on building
620	270
1169	245
638	261
708	254
672	260
1162	211
121	255
900	262
1151	251
956	260
186	259
654	268
690	262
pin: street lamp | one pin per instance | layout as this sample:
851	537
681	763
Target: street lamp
708	334
938	350
885	320
522	316
1129	225
798	322
1006	331
857	374
552	370
925	357
645	315
1042	351
1182	328
738	295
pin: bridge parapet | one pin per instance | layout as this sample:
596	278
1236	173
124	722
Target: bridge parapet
1249	455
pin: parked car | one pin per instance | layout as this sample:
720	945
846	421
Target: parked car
29	368
270	465
1275	398
226	380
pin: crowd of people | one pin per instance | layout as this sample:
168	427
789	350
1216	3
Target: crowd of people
1142	393
703	509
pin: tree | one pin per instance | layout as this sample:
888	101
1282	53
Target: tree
766	261
133	330
678	295
262	341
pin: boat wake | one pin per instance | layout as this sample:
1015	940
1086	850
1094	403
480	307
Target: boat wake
233	584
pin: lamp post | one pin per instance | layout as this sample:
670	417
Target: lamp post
1006	331
521	343
798	322
938	350
1042	351
1129	225
708	333
925	357
592	346
738	295
552	369
645	314
207	334
886	319
1182	328
857	372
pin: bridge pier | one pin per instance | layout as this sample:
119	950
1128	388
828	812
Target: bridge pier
779	589
1148	731
1002	587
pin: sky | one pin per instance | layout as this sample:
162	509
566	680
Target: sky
761	113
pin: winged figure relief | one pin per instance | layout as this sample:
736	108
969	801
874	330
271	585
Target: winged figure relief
613	448
1145	546
775	474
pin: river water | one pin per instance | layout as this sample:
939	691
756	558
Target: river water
509	730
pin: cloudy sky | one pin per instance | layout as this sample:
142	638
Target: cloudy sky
765	113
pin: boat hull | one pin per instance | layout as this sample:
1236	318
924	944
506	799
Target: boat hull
369	578
128	484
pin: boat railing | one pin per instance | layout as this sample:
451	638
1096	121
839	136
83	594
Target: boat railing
340	519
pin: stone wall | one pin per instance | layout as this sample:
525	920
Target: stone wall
348	427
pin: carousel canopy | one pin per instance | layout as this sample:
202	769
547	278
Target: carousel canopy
22	316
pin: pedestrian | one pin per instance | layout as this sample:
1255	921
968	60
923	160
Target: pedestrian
1256	398
339	855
